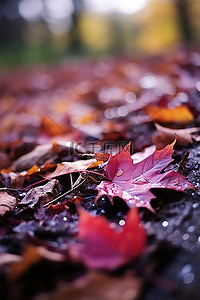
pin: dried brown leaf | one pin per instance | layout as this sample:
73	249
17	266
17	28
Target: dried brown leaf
166	135
43	193
7	203
19	264
66	167
46	153
38	156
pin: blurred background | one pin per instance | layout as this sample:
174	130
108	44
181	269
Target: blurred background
48	30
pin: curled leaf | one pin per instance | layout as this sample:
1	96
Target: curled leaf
7	203
66	167
166	135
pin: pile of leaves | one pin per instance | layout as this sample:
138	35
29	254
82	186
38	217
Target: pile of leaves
99	194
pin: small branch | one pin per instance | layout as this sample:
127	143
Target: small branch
9	188
68	192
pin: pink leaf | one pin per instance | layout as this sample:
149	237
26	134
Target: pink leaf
132	182
105	247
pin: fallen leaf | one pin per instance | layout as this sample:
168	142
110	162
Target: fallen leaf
132	182
7	203
18	265
165	135
58	208
35	169
97	286
179	114
47	153
43	193
66	167
139	156
105	247
52	128
102	156
29	258
38	156
96	164
16	179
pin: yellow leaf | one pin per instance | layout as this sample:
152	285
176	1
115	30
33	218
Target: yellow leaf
179	114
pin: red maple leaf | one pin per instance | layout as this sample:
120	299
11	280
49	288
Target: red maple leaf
132	182
105	247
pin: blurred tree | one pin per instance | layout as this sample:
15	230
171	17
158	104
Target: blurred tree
184	18
11	25
74	33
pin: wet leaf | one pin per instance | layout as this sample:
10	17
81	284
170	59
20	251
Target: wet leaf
139	156
7	203
105	247
132	182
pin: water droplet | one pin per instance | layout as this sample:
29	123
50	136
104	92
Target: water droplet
176	232
113	225
186	269
195	205
185	244
148	81
191	229
186	236
120	172
122	222
165	223
22	194
188	278
170	237
64	219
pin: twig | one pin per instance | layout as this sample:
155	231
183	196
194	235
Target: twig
71	180
59	197
9	188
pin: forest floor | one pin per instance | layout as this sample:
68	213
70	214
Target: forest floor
84	213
